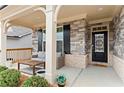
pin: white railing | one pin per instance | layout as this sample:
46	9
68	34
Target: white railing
19	54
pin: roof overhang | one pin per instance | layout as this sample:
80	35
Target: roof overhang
3	6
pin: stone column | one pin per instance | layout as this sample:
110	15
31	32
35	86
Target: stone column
2	43
50	44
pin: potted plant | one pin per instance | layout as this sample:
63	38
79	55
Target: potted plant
61	80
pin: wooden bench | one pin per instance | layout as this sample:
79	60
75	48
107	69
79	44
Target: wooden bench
31	63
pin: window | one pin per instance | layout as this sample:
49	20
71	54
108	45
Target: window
59	39
99	42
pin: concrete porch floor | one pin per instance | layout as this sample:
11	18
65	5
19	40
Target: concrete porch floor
70	73
92	76
95	76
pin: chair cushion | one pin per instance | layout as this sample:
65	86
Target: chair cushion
37	59
41	54
58	54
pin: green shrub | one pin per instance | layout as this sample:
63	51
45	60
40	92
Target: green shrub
9	78
2	68
35	81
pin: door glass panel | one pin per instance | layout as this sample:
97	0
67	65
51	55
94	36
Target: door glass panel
99	42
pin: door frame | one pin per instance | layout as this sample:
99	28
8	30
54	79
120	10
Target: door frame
108	62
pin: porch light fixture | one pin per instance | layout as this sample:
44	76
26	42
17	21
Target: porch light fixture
100	9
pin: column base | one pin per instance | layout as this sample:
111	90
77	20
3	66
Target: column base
51	77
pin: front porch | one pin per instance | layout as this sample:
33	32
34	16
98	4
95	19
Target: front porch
72	50
92	76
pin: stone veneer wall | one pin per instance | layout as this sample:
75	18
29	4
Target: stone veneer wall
118	51
79	44
119	35
118	65
79	37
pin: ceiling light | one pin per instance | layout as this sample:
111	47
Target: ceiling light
100	9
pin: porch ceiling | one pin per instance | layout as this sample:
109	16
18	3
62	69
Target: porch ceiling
31	20
94	12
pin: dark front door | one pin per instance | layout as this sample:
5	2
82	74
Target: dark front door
99	46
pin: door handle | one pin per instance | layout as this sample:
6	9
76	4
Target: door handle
93	47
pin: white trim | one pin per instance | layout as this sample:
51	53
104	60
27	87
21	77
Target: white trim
101	20
5	26
18	12
41	9
108	62
58	7
66	20
69	19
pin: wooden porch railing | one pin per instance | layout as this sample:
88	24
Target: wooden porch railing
19	54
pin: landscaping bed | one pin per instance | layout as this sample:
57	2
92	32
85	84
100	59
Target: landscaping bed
22	79
14	78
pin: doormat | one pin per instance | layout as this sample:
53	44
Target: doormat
101	65
40	72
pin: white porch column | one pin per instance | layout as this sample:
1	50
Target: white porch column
2	43
50	44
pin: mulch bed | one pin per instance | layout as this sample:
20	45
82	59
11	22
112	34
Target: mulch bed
24	77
